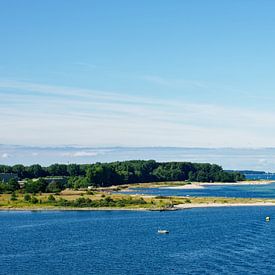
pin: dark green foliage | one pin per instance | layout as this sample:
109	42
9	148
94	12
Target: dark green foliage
13	196
2	187
20	170
106	202
34	200
5	169
57	170
74	170
27	197
54	187
78	182
12	185
36	171
35	186
51	198
115	173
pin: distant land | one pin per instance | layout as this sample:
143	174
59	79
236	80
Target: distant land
261	159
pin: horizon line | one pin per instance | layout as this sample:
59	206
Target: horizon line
76	146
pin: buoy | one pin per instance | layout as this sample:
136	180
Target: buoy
267	219
163	231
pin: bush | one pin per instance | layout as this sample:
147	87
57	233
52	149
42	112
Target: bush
13	196
27	197
34	200
63	202
3	188
51	198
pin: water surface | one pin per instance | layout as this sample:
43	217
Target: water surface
240	191
233	240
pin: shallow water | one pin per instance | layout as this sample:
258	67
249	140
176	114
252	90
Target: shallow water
234	240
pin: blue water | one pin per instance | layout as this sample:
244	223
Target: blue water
267	176
201	241
241	191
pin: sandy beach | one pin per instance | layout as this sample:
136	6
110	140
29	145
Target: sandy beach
206	205
200	185
181	206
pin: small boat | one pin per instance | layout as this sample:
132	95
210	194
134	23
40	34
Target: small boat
161	231
267	219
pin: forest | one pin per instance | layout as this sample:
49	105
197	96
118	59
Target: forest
114	173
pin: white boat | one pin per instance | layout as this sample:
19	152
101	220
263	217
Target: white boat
161	231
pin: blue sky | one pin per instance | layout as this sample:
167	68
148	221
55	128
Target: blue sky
137	73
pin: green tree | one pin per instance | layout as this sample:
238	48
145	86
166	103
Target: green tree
20	170
54	187
36	171
73	170
57	170
12	185
35	186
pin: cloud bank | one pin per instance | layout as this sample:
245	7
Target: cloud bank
38	114
230	158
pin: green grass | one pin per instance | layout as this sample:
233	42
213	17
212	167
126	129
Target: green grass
80	199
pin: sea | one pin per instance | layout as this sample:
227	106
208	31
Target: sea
225	240
218	190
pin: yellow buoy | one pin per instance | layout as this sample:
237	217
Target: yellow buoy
267	219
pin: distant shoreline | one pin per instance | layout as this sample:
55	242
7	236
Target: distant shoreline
200	185
134	202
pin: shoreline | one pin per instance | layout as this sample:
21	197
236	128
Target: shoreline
210	205
201	185
176	207
74	209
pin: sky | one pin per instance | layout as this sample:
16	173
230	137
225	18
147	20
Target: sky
229	158
137	73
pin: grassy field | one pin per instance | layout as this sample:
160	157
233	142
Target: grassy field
116	201
71	199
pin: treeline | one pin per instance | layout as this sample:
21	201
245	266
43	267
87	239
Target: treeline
125	172
37	171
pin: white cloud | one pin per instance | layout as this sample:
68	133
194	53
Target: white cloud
5	155
80	154
63	115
